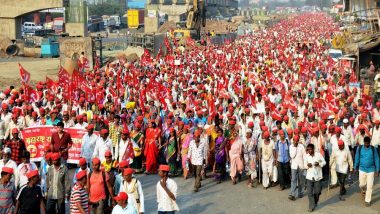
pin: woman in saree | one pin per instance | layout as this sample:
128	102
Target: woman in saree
220	156
186	137
172	147
152	140
235	156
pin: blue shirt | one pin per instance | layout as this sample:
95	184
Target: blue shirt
116	187
50	122
369	160
282	151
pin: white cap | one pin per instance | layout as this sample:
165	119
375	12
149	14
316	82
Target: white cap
345	120
7	150
331	117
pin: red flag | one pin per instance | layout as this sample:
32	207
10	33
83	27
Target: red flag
52	85
129	153
145	58
24	74
112	92
30	94
64	82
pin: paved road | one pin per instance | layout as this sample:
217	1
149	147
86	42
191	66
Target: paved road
226	198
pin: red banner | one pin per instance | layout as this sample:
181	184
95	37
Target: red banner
37	137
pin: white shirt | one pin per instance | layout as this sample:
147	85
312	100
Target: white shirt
88	146
129	209
81	126
297	155
340	159
165	203
101	146
314	172
375	137
348	136
127	188
22	169
197	154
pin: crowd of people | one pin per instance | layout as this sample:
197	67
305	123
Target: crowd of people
271	107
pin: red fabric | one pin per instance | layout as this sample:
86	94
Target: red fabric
151	150
24	74
61	143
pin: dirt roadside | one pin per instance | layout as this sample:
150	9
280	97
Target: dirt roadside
38	69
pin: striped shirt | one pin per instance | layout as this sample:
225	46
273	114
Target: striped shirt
7	194
78	194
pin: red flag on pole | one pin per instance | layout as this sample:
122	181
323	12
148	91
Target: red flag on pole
30	94
24	74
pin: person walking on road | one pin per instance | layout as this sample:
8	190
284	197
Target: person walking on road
314	162
7	191
297	154
197	155
123	206
341	161
79	196
57	185
367	163
30	199
166	192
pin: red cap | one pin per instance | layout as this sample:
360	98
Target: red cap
340	142
338	130
56	156
290	131
361	127
95	161
104	131
31	174
121	197
266	134
125	131
165	168
15	131
303	130
128	171
108	153
296	138
48	156
281	132
377	122
7	170
81	174
232	122
82	161
123	164
250	124
90	127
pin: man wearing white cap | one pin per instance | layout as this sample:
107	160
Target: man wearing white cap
347	134
6	161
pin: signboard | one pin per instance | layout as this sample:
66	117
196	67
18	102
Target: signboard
36	138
